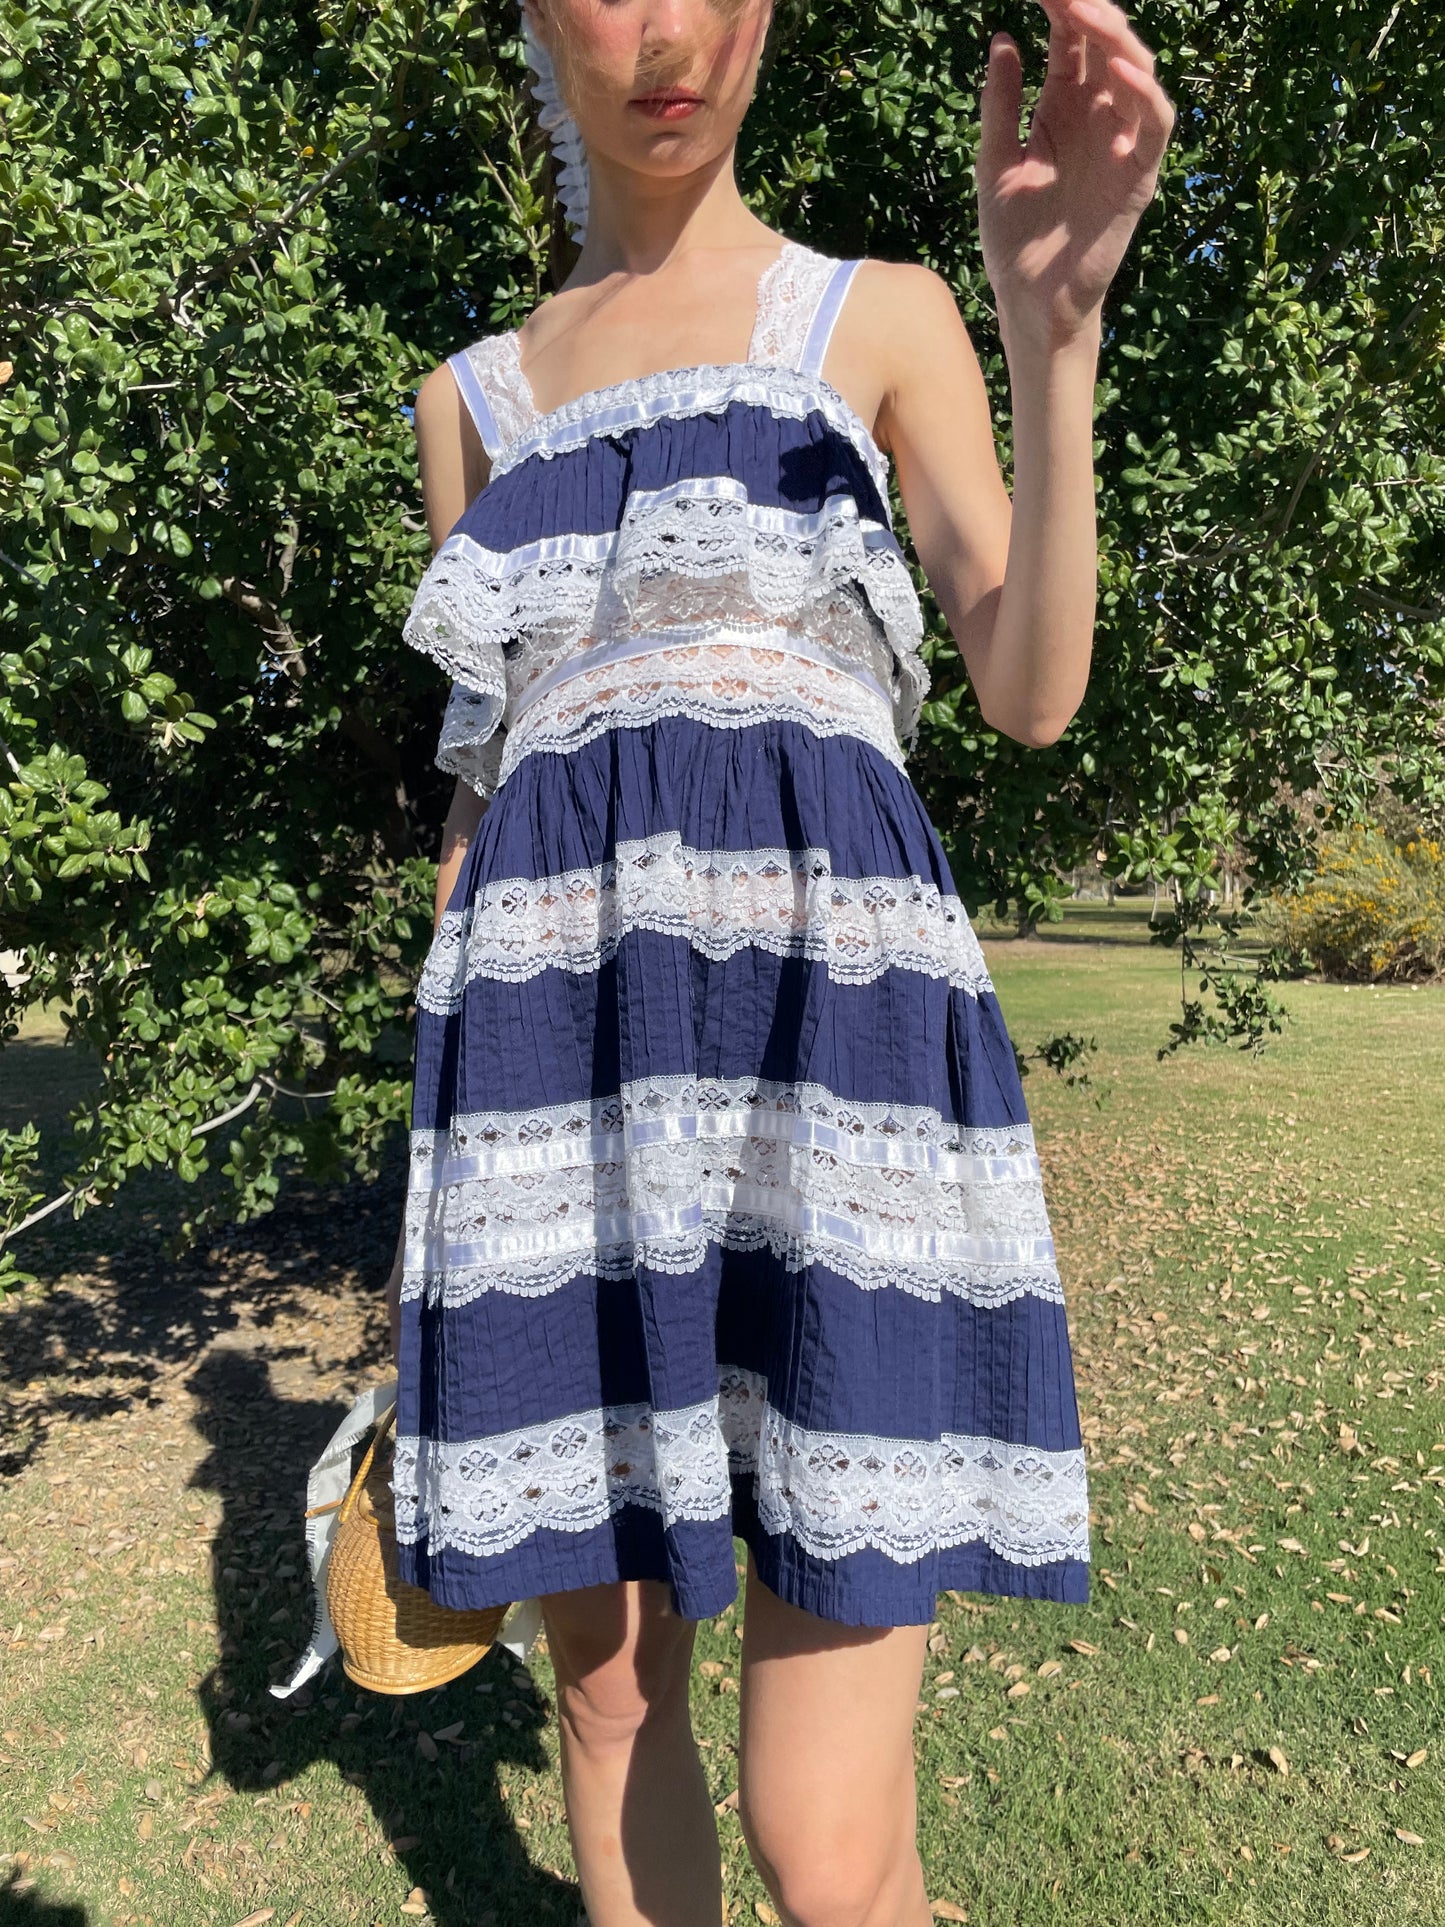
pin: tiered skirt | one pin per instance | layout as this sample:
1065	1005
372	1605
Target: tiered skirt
725	1216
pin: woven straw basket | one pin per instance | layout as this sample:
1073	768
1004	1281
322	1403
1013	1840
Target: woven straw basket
394	1637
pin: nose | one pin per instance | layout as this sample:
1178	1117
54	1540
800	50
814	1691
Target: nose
666	49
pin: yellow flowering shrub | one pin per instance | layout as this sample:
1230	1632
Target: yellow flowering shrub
1373	912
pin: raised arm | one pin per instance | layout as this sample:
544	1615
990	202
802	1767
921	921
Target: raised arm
454	468
1017	580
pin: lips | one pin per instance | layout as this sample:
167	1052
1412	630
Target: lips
677	103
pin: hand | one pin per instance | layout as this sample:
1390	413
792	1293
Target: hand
1056	216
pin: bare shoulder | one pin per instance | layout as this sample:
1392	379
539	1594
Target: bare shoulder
453	464
910	313
435	412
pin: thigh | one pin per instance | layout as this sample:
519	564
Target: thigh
617	1650
826	1716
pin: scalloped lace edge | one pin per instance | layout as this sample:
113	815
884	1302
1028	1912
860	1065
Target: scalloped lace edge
832	1493
788	902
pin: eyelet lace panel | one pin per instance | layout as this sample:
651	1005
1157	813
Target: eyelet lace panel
886	1196
788	297
833	1493
496	361
729	681
697	550
720	901
469	746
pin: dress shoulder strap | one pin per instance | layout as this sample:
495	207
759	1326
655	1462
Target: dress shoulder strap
825	315
799	300
490	379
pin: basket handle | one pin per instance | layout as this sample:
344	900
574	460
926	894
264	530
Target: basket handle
349	1502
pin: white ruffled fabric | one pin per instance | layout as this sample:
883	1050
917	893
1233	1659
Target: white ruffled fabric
693	557
892	1197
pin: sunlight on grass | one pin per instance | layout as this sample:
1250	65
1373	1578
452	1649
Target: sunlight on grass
1244	1726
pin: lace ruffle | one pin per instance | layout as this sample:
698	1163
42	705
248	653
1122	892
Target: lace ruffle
680	393
469	746
525	1202
720	901
832	1493
695	551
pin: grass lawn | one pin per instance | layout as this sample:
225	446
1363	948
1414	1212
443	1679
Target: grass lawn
1244	1725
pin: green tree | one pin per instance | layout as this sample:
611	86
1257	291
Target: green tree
233	240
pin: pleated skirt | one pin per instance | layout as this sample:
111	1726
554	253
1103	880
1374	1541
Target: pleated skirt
725	1216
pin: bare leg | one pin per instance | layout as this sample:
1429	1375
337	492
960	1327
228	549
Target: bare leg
826	1790
643	1831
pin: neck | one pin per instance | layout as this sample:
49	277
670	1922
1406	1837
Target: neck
637	223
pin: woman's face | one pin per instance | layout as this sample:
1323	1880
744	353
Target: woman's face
658	85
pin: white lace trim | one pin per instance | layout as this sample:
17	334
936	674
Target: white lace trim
497	365
832	1493
469	746
680	393
697	550
729	680
788	297
886	1195
789	290
789	902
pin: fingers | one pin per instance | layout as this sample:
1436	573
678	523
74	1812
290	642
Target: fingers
1109	23
999	105
1118	66
1143	104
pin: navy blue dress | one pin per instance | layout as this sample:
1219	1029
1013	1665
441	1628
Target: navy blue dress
725	1215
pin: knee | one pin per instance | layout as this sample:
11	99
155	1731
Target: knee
828	1882
614	1678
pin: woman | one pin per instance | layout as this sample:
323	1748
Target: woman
724	1214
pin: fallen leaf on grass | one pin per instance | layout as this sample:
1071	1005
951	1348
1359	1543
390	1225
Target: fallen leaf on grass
1279	1762
729	1805
1410	1839
426	1745
946	1910
1419	1757
1050	1668
765	1913
449	1732
416	1902
1083	1646
261	1915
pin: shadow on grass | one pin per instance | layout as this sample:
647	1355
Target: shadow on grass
446	1818
266	1328
22	1906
